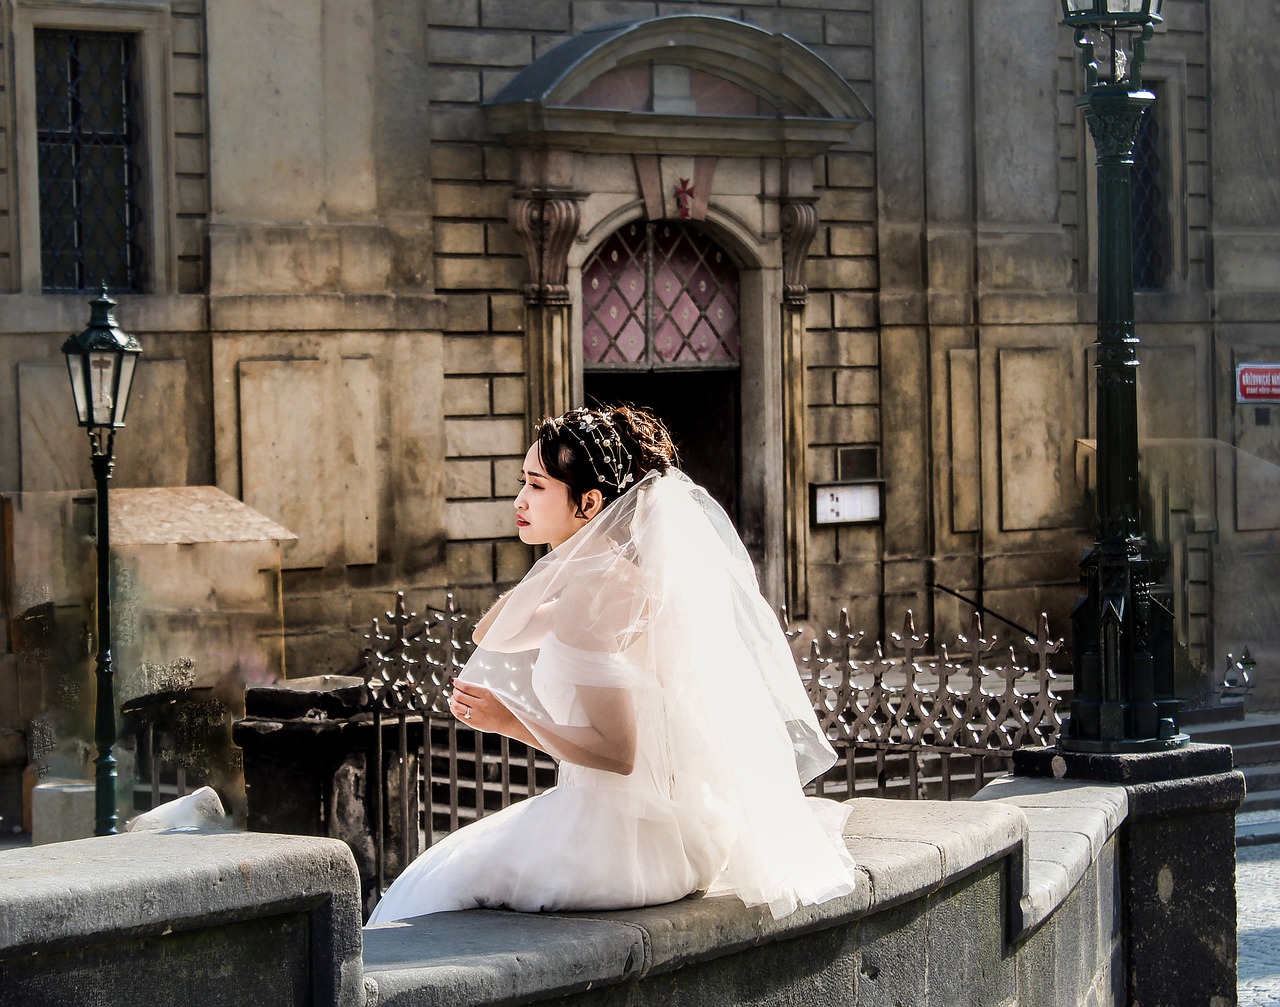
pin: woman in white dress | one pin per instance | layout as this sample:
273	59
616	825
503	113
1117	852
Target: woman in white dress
640	654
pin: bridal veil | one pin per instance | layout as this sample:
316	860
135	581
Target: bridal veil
642	647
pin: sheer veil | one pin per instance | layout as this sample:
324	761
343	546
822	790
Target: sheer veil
643	647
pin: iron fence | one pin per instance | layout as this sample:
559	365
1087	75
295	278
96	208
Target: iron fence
904	722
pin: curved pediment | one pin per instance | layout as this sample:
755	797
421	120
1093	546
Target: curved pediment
689	83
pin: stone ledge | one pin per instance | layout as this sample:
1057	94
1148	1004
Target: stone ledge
1068	824
113	890
904	850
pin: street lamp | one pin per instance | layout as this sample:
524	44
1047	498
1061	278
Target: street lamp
101	361
1123	636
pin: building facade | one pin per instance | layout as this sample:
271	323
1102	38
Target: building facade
367	243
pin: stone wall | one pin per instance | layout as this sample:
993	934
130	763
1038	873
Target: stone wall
329	224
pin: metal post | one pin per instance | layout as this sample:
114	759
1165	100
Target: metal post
1123	636
107	815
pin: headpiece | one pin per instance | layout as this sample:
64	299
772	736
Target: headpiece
601	443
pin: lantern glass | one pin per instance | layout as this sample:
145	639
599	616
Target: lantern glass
79	386
104	372
1115	13
123	385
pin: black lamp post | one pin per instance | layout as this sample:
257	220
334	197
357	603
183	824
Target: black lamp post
101	361
1123	636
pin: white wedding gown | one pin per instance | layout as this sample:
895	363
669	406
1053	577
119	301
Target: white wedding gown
648	619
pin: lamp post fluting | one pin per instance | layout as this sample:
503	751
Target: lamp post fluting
101	361
1123	634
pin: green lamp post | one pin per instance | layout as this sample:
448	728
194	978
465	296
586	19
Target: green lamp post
1123	635
101	361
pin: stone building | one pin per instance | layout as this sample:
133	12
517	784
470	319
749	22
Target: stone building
365	243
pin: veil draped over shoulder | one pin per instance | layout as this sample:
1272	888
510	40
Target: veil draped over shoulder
642	647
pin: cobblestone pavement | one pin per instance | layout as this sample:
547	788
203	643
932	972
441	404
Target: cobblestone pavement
1258	924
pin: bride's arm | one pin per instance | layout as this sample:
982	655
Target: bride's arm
486	620
607	742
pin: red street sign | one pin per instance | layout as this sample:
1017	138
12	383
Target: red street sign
1258	382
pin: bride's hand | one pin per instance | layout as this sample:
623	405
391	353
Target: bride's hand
479	708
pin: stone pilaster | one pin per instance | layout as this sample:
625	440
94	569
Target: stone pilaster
547	223
799	222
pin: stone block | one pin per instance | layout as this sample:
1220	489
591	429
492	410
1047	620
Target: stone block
533	15
513	560
455	85
466	396
478	48
459	238
466	313
472	519
842	273
98	920
854	311
62	810
507	312
469	438
860	386
455	161
468	479
509	396
469	562
470	201
479	273
484	355
455	13
844	425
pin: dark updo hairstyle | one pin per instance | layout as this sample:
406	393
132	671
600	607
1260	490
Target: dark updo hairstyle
606	449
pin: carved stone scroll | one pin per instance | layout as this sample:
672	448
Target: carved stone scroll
799	224
547	224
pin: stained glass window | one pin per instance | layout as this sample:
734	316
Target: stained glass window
90	175
661	295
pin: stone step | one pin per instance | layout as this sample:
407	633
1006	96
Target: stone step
1260	778
1254	727
1261	800
1256	753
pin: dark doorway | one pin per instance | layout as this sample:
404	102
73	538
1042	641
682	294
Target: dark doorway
701	409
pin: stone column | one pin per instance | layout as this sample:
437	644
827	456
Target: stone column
548	223
1177	865
799	222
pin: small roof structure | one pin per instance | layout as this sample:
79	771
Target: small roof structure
185	515
682	83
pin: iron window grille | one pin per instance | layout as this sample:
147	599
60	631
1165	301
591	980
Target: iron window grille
1147	197
90	147
660	296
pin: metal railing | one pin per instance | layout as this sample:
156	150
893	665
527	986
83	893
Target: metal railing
908	719
903	723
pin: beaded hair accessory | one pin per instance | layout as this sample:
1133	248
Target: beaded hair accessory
600	442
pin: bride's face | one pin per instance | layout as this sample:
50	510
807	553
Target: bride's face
545	515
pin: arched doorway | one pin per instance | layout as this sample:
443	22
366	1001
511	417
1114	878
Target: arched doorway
660	328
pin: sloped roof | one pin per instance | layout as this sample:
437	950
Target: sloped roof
610	89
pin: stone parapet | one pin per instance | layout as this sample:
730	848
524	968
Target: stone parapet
181	918
985	902
1011	898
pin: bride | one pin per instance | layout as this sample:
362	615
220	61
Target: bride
640	654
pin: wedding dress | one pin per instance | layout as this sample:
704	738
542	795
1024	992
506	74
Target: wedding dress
641	654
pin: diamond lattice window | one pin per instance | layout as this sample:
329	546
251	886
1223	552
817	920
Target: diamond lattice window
89	154
659	296
1147	192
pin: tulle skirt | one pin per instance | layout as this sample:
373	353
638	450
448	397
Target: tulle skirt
593	842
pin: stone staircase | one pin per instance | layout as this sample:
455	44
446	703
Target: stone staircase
1255	743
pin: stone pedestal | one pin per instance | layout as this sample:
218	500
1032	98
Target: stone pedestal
308	744
1178	866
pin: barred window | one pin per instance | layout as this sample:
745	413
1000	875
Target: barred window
659	296
87	116
1148	199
